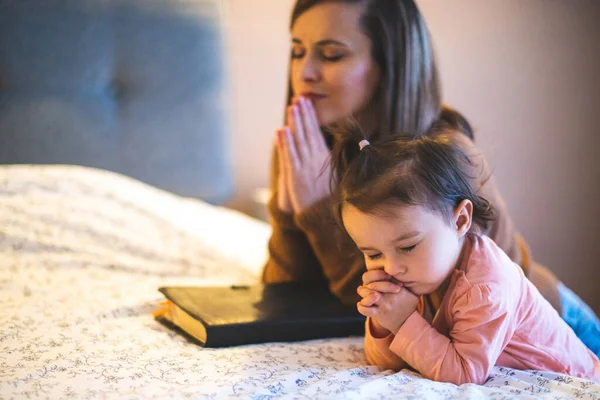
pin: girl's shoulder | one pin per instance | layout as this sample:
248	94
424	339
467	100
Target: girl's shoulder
487	265
487	280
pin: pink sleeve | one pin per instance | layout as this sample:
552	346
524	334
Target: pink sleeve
480	331
378	352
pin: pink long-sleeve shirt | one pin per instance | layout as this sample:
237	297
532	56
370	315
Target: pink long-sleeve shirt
491	315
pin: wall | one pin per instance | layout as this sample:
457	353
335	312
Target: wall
259	49
526	74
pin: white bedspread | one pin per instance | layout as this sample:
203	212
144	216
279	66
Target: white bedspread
82	253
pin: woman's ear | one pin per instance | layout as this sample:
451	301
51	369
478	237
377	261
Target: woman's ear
463	214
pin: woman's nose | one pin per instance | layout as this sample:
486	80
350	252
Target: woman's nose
309	70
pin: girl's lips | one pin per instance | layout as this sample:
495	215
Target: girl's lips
396	281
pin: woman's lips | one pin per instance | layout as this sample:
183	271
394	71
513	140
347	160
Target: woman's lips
313	96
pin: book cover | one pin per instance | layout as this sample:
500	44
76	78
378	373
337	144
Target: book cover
238	315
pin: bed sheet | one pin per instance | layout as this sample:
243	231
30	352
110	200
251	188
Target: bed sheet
82	253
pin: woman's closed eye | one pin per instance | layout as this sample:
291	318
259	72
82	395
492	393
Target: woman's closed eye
297	53
331	56
323	55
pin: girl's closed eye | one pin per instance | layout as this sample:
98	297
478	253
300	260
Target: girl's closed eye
373	256
407	249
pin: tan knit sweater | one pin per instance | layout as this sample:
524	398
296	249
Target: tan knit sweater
310	245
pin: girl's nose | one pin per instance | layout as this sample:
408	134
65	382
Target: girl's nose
395	267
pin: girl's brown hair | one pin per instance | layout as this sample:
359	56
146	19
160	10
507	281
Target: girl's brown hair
431	171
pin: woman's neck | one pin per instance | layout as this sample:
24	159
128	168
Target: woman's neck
367	121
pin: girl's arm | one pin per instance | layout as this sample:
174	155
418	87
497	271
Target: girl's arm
378	340
480	331
377	348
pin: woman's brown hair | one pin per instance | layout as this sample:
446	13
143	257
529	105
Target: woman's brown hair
409	93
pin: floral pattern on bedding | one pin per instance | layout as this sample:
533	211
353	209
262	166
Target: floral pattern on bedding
82	253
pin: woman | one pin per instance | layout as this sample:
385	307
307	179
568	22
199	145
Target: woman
368	62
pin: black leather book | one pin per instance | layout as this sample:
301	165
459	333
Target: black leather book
238	315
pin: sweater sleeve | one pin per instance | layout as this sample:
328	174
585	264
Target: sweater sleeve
342	263
311	245
291	257
377	350
480	331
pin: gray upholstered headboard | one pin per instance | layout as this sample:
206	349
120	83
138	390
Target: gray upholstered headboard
132	86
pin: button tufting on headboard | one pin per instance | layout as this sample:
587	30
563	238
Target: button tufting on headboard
132	86
116	89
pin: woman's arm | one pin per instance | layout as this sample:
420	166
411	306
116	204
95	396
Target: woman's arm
310	245
291	257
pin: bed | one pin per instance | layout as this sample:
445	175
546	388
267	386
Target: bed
82	253
130	94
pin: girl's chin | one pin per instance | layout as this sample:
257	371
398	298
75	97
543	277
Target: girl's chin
420	290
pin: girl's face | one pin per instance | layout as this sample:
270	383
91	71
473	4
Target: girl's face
412	244
331	61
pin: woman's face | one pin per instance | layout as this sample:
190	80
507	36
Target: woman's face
331	61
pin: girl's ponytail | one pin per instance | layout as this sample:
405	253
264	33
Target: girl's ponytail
354	161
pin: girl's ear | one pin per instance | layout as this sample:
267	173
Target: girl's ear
463	214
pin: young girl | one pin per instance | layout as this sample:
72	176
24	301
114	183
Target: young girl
412	208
